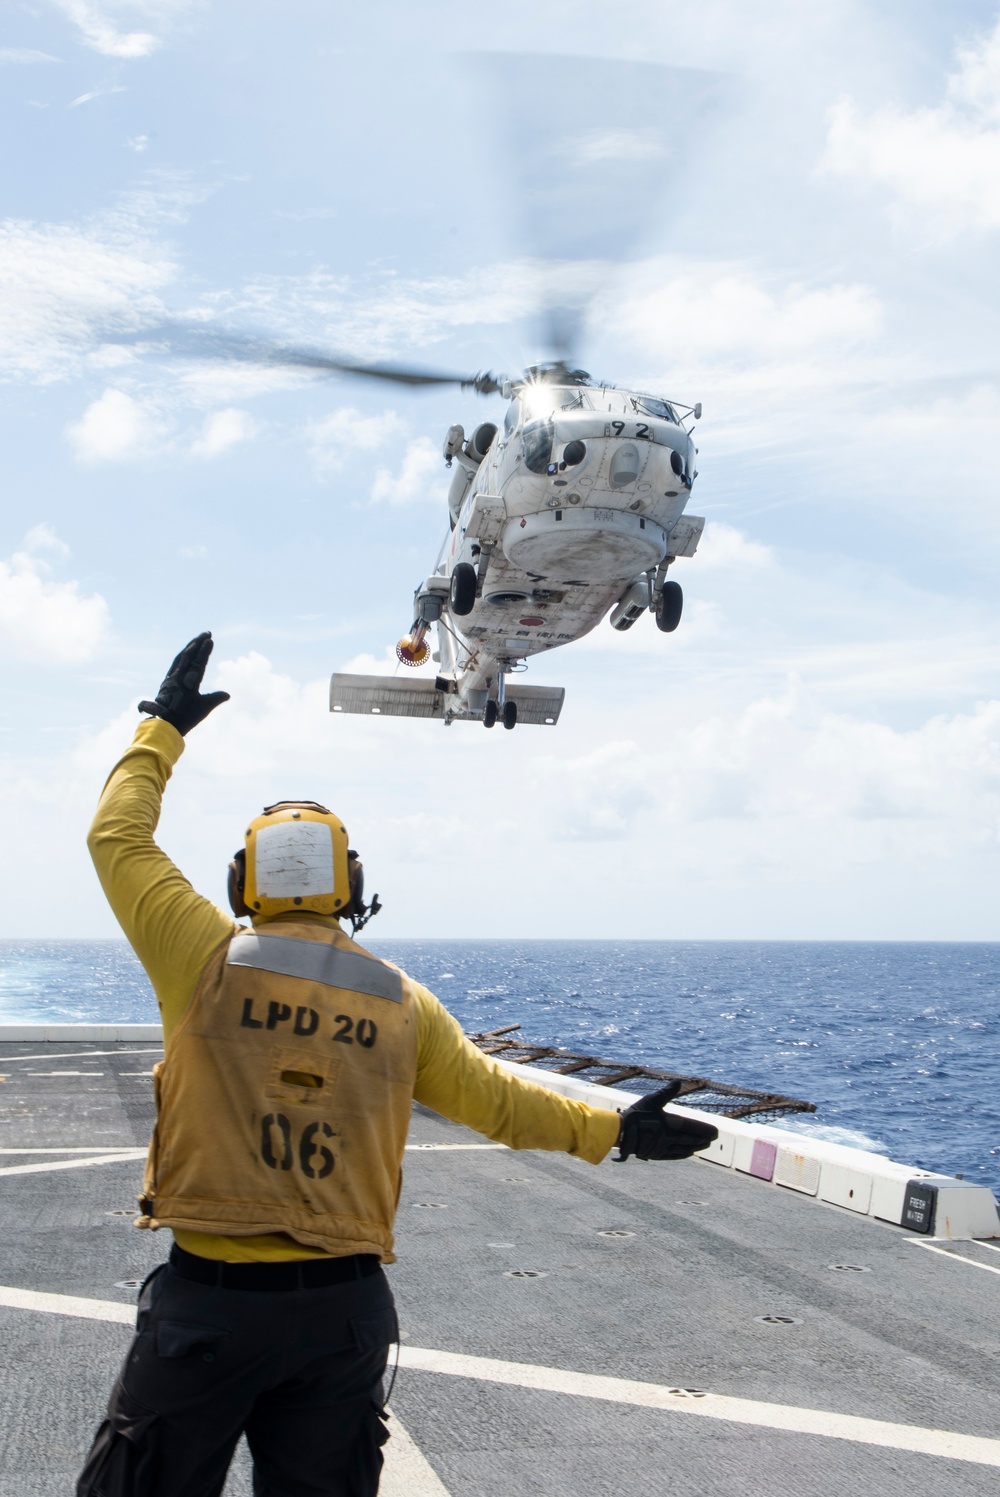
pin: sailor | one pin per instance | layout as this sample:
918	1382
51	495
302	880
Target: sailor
293	1057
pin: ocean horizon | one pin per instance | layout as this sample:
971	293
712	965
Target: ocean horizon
894	1041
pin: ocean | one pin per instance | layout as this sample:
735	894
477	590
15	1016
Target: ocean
895	1043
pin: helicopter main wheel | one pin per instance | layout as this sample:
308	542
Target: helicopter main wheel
510	714
490	714
464	583
669	606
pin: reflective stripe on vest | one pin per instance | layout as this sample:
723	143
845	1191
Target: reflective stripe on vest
316	962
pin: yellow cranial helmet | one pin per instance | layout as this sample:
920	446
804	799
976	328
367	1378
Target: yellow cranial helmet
296	858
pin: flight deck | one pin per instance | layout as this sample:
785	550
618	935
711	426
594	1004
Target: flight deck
676	1328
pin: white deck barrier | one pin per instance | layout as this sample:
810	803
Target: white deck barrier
37	1034
852	1179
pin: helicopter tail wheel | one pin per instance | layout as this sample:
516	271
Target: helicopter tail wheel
490	714
464	582
669	606
509	714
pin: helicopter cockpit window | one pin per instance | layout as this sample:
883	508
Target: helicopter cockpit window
512	417
537	446
573	400
651	407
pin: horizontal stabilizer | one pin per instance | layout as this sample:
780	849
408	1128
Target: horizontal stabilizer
388	696
685	535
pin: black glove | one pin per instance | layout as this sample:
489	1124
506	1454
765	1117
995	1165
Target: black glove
650	1133
178	701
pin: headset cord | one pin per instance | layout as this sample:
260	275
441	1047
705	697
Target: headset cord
392	1380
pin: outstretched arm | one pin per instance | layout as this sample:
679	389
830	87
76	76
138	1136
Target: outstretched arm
172	929
459	1081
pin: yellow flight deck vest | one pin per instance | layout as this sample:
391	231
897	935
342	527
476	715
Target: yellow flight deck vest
284	1099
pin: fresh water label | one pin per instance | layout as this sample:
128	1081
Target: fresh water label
918	1207
294	858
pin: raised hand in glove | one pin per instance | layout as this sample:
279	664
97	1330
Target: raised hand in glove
650	1133
179	700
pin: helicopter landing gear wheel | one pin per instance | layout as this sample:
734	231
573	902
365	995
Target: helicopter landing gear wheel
490	714
464	582
669	606
510	715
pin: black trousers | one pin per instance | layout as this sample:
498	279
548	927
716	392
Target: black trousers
299	1371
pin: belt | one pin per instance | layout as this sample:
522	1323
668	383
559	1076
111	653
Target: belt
301	1273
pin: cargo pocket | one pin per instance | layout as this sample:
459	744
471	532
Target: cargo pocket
373	1332
366	1468
122	1460
175	1338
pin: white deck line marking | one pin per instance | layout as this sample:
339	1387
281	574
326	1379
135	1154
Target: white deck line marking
43	1168
67	1304
938	1442
77	1054
74	1149
407	1471
428	1148
955	1257
947	1444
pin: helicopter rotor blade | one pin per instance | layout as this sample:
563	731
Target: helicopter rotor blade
594	147
196	340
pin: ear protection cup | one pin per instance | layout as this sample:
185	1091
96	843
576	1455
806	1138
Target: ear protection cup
358	912
237	883
356	874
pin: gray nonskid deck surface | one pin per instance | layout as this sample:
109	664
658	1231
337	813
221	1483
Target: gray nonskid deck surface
912	1341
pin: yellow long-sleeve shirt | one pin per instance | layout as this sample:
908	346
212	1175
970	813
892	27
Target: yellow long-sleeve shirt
173	931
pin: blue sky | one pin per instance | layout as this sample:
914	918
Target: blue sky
815	753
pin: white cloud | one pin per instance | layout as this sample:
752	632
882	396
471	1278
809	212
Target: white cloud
782	784
617	145
422	463
113	428
941	162
273	723
95	93
223	430
715	312
23	55
371	319
386	664
100	31
724	546
138	143
43	538
59	286
118	427
730	817
44	620
338	436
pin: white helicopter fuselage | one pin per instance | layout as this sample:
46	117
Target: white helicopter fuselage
575	506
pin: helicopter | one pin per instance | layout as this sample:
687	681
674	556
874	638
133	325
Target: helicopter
572	507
